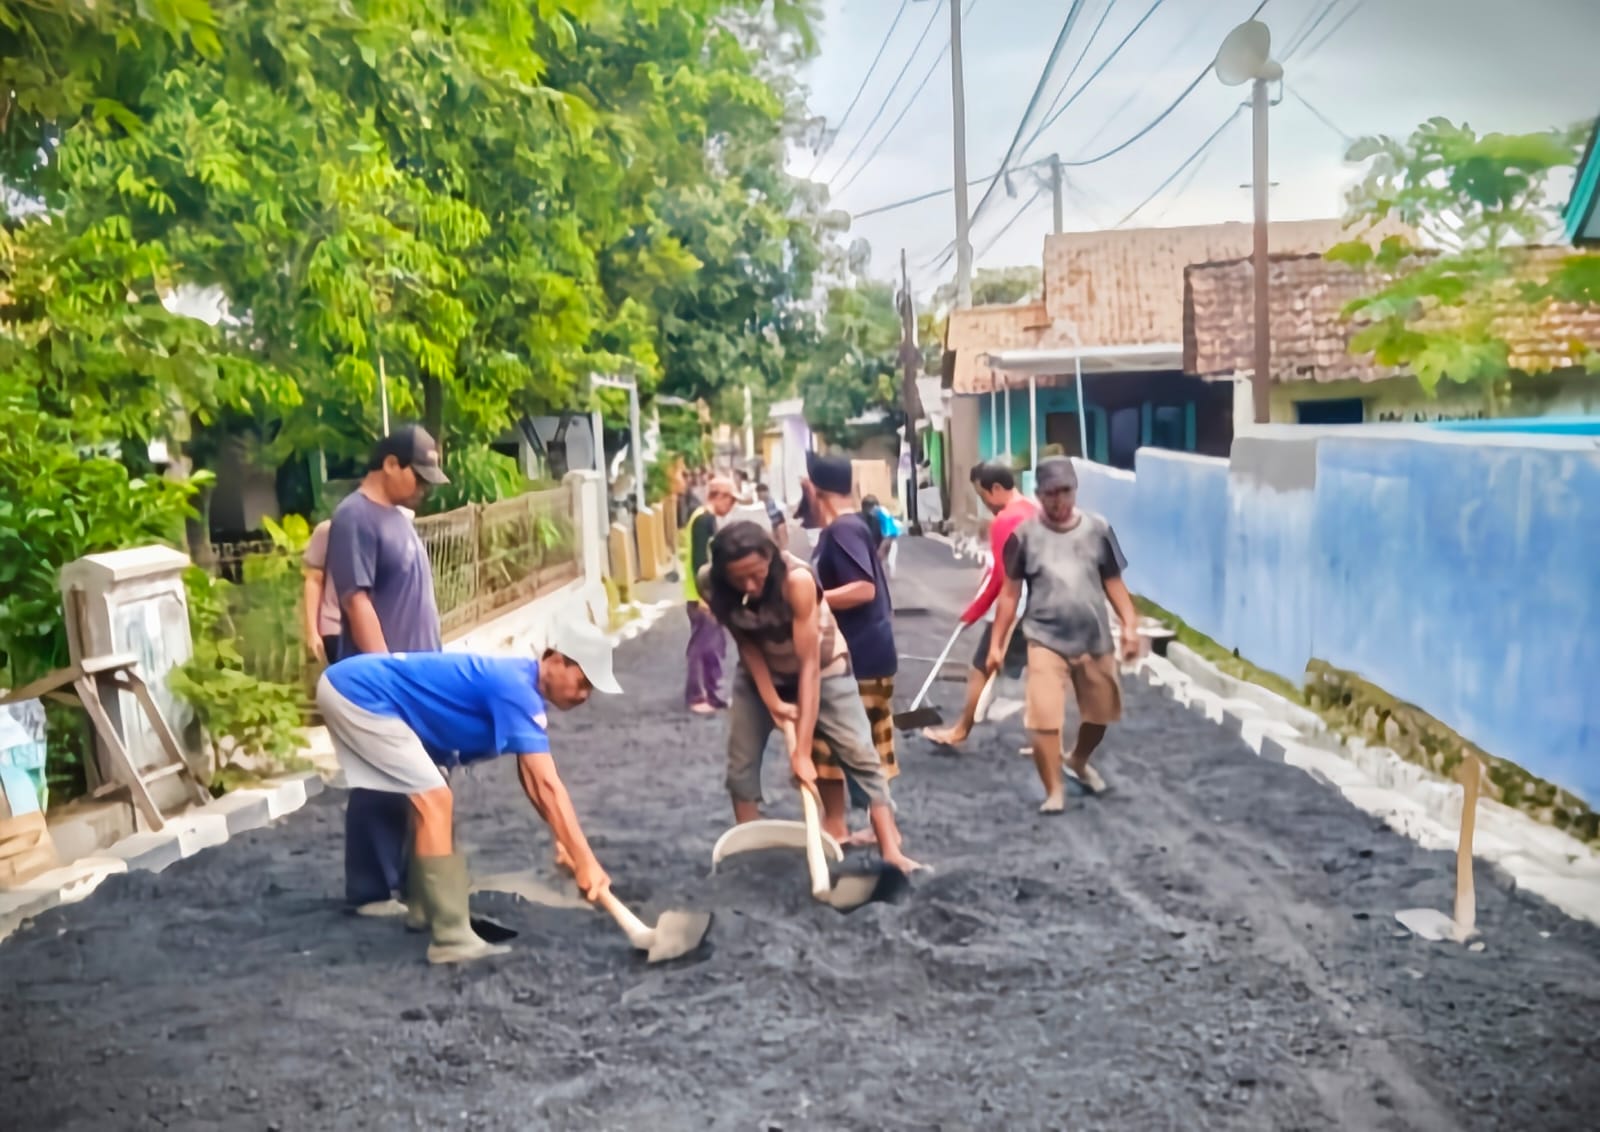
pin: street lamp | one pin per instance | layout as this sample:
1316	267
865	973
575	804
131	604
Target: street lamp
1246	57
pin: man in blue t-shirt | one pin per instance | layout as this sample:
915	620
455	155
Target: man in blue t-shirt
856	589
396	718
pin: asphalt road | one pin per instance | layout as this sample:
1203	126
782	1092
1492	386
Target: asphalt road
1211	945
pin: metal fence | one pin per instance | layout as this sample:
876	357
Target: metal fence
485	557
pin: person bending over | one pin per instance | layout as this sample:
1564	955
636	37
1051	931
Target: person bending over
396	718
794	667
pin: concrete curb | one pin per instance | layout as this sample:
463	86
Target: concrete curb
1409	800
185	835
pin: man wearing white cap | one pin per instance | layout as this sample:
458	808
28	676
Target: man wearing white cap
396	718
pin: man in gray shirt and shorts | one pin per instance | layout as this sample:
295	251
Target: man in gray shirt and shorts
1072	564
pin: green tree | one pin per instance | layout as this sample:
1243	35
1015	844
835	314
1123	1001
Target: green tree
855	366
1450	309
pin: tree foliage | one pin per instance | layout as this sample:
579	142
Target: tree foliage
1451	308
855	366
494	197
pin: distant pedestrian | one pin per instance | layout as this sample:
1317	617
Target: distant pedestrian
780	525
379	568
702	692
996	486
320	615
888	528
855	586
1072	565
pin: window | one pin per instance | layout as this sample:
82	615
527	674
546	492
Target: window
1346	410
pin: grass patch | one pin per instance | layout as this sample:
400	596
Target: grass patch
1227	660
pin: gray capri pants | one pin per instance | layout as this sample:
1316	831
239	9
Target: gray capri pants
376	752
841	720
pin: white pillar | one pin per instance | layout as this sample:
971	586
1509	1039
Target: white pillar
1033	423
1083	409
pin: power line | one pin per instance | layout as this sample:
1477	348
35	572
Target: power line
884	105
1204	147
865	79
904	110
1033	102
1334	30
890	207
1016	216
1051	117
1159	118
1319	115
1297	40
1082	55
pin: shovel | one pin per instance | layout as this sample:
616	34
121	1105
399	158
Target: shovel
847	891
917	717
675	935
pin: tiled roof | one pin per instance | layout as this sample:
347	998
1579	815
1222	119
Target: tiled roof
1114	288
975	331
1310	341
1125	287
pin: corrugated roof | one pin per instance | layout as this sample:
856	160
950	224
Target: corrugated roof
1310	340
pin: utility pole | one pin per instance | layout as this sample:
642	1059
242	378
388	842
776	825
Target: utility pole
911	360
1055	191
1261	380
963	218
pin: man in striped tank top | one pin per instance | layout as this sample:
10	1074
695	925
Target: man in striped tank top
794	667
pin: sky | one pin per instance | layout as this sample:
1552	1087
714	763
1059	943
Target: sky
1499	65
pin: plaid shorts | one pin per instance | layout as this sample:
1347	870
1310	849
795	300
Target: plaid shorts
877	697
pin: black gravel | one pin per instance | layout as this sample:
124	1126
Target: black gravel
1212	945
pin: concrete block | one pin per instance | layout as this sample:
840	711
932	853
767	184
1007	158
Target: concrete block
1578	898
15	907
71	883
286	795
151	851
1207	704
1273	747
197	831
243	810
1328	769
1255	733
1236	712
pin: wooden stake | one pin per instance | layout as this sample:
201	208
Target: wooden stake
1466	900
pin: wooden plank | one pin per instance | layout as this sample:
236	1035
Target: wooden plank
142	801
43	686
158	723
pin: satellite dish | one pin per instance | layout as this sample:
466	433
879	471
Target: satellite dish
1244	54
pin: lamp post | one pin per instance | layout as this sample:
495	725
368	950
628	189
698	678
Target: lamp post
1246	57
959	129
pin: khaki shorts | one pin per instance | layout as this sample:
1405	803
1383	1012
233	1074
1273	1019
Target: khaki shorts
1096	684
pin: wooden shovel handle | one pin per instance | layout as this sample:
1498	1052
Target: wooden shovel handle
816	859
640	934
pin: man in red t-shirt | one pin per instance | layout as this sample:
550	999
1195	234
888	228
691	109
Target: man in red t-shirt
997	487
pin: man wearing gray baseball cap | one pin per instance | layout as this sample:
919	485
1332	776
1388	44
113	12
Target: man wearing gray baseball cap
1072	564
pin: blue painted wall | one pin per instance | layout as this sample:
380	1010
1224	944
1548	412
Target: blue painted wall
1460	573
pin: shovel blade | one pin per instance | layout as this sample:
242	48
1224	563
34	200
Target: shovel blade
884	884
492	931
918	719
678	934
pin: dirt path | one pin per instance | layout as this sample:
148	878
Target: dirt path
1210	946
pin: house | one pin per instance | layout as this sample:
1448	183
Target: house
1111	323
1582	215
1315	378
